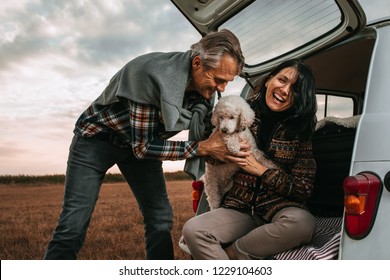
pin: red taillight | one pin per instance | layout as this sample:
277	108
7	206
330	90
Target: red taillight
197	189
361	199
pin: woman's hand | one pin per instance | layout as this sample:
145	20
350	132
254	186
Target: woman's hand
215	147
250	165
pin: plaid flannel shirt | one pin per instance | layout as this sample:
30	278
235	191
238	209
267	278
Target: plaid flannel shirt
138	126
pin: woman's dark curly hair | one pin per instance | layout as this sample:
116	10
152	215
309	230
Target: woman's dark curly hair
301	123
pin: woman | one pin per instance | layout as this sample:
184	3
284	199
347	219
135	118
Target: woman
265	211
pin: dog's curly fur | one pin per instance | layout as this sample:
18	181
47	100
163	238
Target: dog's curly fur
232	116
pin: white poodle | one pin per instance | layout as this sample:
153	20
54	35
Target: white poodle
232	116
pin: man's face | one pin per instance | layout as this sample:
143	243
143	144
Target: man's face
206	82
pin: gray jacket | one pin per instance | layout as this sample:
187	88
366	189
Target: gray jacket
161	79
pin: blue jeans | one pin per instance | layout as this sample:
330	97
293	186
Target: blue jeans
89	159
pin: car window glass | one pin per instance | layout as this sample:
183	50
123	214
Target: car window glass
289	24
335	106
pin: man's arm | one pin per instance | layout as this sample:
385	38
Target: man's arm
144	133
146	143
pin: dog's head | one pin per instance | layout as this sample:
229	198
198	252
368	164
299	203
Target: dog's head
232	114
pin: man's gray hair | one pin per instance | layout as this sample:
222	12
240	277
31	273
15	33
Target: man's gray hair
215	45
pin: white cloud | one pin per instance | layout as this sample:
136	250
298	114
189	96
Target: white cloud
57	56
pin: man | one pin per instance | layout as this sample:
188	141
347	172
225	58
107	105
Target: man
151	98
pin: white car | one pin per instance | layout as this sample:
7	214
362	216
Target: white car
351	63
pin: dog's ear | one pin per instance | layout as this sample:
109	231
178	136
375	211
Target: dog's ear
247	116
215	117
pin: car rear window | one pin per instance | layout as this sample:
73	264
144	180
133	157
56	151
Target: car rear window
270	28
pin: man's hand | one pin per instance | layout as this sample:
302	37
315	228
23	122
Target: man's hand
215	147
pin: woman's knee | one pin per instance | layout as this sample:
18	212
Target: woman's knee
189	229
299	222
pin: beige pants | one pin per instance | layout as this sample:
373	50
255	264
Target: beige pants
252	238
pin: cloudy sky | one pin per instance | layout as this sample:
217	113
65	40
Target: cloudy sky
57	56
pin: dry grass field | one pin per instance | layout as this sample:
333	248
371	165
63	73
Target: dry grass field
28	215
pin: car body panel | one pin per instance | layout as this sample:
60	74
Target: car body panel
372	142
371	150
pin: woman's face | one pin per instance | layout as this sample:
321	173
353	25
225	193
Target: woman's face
279	96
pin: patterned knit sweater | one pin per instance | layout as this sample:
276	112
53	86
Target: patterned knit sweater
289	185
